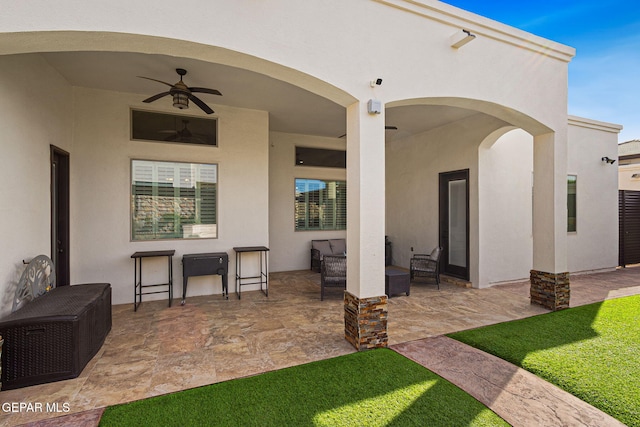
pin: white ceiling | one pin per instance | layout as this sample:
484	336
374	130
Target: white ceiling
291	109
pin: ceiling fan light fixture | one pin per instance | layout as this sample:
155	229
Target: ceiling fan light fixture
181	93
180	100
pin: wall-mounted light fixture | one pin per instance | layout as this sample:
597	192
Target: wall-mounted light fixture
608	160
461	38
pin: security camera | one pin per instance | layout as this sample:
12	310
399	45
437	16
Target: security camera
608	160
378	82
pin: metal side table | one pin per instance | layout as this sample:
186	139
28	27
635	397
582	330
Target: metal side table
137	271
262	278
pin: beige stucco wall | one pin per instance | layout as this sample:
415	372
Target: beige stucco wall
506	234
326	48
506	227
626	181
290	249
101	155
412	168
595	243
34	113
503	213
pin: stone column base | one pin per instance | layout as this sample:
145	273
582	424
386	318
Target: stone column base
365	321
550	290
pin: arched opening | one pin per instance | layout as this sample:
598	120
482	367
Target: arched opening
437	136
76	90
505	177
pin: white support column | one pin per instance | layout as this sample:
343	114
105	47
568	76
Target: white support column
365	201
549	277
365	297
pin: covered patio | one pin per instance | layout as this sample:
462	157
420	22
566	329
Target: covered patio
311	96
402	141
161	350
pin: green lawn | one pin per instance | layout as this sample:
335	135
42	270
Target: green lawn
371	388
593	352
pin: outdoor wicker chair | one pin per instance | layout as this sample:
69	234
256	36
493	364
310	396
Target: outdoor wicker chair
423	265
333	272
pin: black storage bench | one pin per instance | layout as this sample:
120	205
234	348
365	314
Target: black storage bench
53	337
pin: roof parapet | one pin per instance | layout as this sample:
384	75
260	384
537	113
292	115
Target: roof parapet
481	26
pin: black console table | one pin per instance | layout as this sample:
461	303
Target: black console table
137	275
205	265
262	277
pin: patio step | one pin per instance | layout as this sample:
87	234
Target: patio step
455	281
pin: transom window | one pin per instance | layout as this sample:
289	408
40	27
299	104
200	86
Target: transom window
307	156
320	205
173	200
172	128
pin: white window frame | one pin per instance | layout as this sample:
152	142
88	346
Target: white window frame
320	204
178	201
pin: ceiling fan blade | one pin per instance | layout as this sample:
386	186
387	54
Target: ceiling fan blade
172	138
155	80
158	96
204	107
205	90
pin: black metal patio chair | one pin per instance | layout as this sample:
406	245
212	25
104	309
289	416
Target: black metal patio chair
333	272
426	265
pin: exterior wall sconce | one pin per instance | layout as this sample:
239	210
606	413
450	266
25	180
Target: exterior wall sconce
608	160
459	39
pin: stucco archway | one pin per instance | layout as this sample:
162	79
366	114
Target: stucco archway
460	129
97	41
504	113
80	106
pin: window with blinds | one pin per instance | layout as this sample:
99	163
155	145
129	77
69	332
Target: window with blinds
173	200
320	205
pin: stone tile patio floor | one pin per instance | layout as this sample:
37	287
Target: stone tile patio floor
159	350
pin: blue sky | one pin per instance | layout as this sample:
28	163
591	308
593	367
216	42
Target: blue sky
604	76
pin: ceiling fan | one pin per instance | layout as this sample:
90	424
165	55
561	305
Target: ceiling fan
181	93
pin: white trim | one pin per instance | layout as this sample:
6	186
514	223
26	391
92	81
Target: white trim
594	124
481	26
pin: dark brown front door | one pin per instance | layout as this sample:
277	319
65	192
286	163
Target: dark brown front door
454	223
60	222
